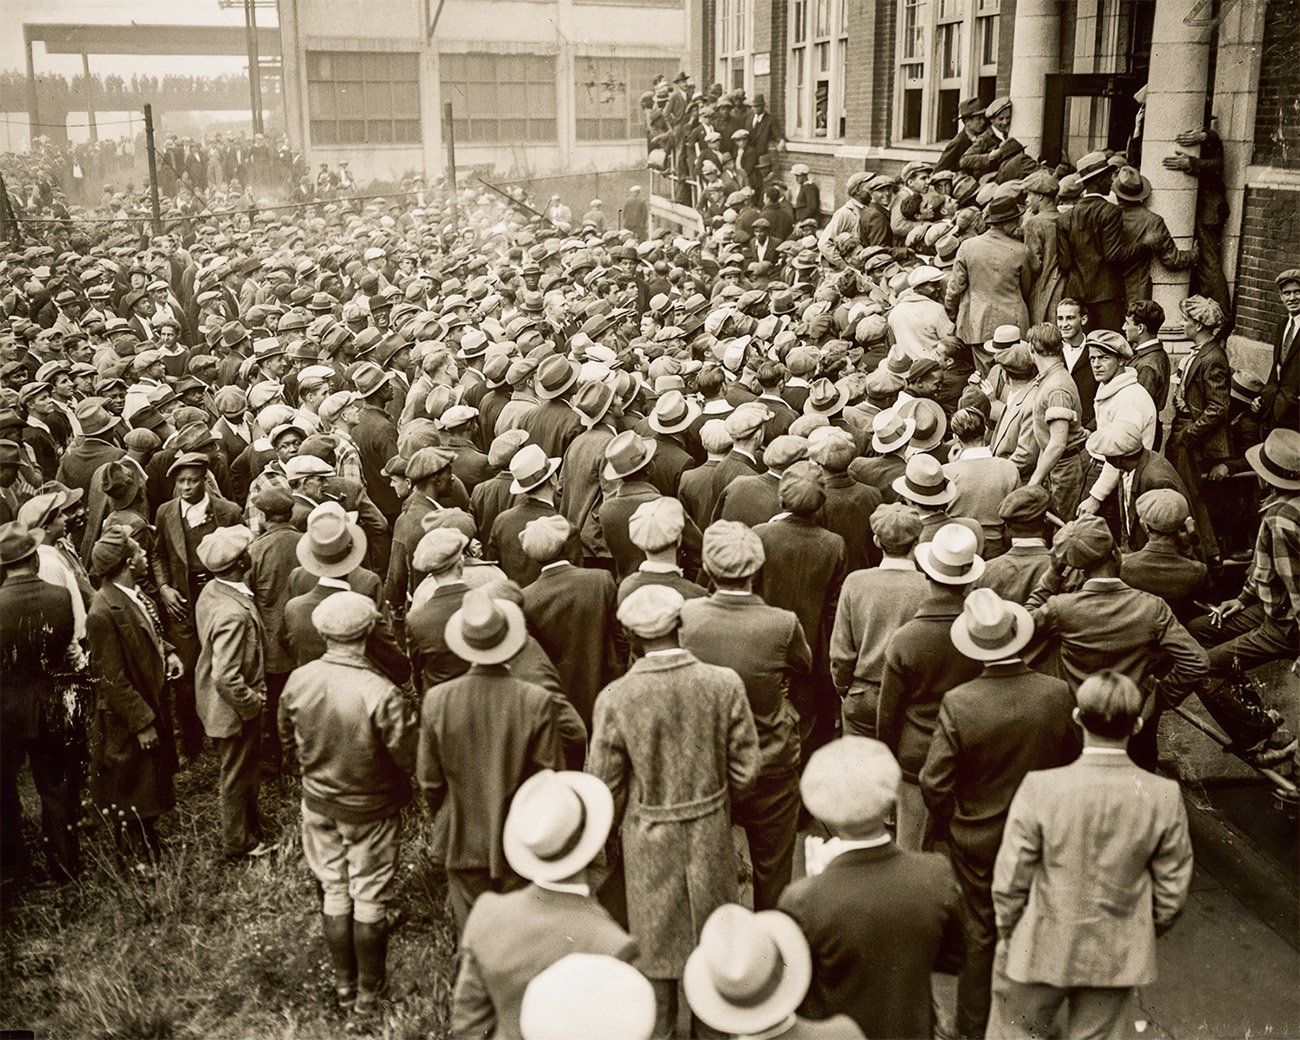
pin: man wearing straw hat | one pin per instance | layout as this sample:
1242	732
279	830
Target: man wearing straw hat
355	741
557	824
482	735
674	740
991	731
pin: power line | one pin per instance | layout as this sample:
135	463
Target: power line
98	122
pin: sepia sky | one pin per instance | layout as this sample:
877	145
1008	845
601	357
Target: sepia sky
121	12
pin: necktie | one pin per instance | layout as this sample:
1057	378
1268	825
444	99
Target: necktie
1289	337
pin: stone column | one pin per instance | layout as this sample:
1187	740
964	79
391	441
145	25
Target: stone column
1035	54
1175	102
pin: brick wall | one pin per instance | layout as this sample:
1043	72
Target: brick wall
1270	229
1006	38
778	42
1277	116
882	102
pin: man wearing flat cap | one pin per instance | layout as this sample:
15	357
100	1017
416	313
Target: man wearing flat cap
845	220
878	919
678	864
230	685
1015	573
354	738
429	472
570	610
767	648
990	732
1164	566
180	574
1108	624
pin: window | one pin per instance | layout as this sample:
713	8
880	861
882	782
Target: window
363	97
501	98
947	50
734	26
607	96
819	54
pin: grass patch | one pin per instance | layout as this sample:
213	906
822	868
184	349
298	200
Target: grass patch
204	949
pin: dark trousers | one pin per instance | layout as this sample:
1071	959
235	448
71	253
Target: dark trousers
57	774
241	825
770	816
975	979
272	754
182	634
465	885
1244	641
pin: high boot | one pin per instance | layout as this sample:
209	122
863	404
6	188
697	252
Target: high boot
370	941
338	939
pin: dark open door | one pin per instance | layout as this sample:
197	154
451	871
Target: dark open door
1085	111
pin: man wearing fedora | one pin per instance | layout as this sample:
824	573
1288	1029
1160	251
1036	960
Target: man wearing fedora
674	798
133	751
36	647
355	742
536	482
991	280
1107	624
1259	624
375	435
230	685
626	473
1120	857
672	416
583	461
570	610
767	648
878	919
920	665
990	732
1094	252
553	423
750	974
482	735
558	823
973	123
1146	234
94	447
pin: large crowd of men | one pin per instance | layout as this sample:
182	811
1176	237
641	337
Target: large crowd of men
626	552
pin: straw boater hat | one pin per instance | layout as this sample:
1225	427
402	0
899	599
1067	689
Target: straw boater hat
557	824
486	630
332	546
749	972
990	628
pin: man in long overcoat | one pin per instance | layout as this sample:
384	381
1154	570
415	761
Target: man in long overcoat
674	740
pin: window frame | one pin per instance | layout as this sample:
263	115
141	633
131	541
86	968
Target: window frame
477	82
818	48
632	75
734	32
364	98
941	86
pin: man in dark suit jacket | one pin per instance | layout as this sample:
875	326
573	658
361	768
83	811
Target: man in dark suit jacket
849	504
134	753
991	732
36	646
442	551
1093	249
571	612
1282	389
1141	469
375	436
807	201
553	423
92	449
878	919
535	478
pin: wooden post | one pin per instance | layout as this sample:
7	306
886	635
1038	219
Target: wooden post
90	97
254	65
153	170
449	134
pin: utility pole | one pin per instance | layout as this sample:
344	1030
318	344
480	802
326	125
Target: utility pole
90	97
449	132
153	170
254	64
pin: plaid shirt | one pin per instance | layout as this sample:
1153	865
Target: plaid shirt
1276	568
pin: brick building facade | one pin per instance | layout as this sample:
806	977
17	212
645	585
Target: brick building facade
873	84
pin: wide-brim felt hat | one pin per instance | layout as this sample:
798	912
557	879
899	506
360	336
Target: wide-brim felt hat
748	1011
997	642
689	412
334	558
941	495
531	859
930	560
933	411
488	639
521	486
906	427
1277	460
